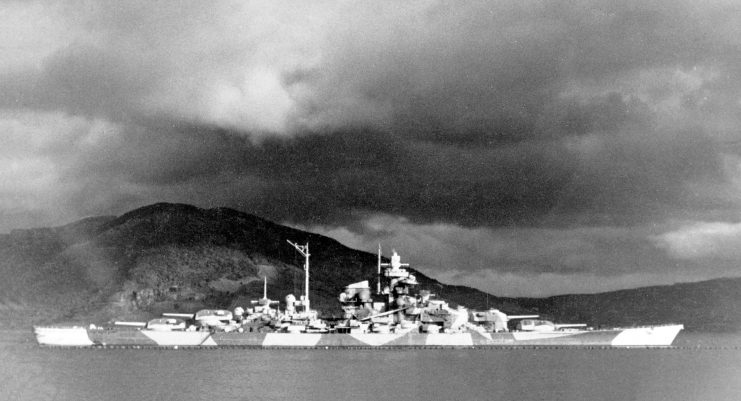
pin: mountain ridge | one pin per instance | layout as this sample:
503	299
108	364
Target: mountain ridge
178	257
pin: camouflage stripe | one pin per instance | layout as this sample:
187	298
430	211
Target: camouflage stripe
76	336
120	337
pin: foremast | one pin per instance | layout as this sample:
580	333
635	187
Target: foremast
304	250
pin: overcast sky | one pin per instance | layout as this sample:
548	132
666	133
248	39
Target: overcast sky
520	147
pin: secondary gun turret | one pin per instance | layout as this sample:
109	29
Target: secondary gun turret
496	320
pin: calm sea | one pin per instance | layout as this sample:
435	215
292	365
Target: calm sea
701	367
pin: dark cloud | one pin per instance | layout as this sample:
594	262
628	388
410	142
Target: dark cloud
487	115
484	72
312	179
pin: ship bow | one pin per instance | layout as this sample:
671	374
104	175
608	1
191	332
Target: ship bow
653	336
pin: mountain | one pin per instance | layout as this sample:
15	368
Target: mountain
713	305
175	257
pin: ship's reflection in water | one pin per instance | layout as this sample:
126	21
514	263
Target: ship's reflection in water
700	367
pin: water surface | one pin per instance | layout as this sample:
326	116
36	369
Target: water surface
700	367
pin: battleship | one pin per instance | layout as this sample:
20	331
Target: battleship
398	316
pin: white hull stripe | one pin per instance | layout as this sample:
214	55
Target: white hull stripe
377	339
453	340
291	340
184	338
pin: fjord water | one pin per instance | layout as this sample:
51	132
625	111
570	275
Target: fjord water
700	367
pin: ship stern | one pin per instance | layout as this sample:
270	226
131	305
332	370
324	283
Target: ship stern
62	336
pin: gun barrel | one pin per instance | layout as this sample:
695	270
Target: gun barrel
385	313
183	315
510	317
132	324
558	326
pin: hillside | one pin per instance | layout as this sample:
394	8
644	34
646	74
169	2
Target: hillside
174	257
713	305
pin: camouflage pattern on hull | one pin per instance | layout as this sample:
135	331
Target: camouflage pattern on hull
639	337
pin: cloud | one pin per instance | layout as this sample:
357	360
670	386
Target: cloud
594	124
523	251
484	70
703	240
36	148
550	284
24	44
528	261
220	63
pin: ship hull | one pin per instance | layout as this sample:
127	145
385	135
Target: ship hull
650	336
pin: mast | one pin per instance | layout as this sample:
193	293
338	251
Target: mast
304	250
265	287
378	274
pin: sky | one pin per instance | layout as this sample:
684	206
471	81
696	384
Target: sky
525	148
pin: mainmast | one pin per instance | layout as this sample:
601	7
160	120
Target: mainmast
378	274
304	250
